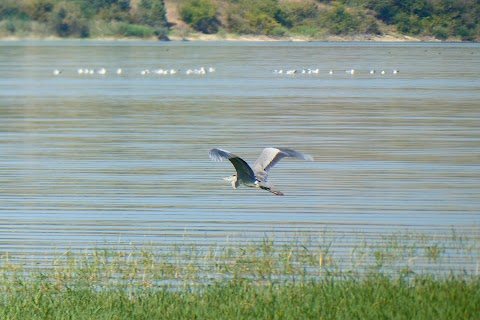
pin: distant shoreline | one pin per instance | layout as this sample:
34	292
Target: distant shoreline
243	38
264	38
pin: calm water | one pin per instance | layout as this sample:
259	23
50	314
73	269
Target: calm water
87	160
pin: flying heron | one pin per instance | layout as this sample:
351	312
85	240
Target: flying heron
256	176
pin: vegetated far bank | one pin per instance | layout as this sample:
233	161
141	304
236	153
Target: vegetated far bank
310	20
83	19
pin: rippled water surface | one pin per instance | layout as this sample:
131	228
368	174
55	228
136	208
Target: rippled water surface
89	159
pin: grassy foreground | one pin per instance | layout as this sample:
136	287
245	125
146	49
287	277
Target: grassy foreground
371	298
295	279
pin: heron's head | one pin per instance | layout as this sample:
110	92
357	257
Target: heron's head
233	179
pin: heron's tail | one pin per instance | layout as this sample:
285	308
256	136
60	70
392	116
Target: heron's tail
275	192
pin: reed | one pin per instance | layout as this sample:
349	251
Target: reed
304	276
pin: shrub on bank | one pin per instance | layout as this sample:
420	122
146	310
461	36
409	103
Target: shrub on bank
67	20
135	30
201	15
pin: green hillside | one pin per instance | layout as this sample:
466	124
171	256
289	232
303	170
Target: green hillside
311	19
83	18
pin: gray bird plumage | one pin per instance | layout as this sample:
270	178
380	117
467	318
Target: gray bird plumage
256	176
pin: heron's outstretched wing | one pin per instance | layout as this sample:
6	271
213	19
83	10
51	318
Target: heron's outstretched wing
270	156
244	172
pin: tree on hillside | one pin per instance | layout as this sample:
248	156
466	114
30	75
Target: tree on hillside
67	20
291	14
442	18
201	15
254	16
39	10
152	13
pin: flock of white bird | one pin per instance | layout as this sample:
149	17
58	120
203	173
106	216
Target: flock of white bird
203	70
330	72
144	72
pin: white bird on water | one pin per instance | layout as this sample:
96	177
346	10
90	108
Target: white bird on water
256	176
57	72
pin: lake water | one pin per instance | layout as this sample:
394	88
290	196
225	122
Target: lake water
90	160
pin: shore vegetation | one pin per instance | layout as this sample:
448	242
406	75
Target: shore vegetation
83	18
457	20
401	276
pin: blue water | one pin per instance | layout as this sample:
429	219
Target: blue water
102	159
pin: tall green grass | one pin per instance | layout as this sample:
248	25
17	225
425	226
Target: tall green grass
401	276
371	298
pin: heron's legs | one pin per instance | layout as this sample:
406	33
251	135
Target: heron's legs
275	192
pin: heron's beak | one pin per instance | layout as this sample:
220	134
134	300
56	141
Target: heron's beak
230	178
